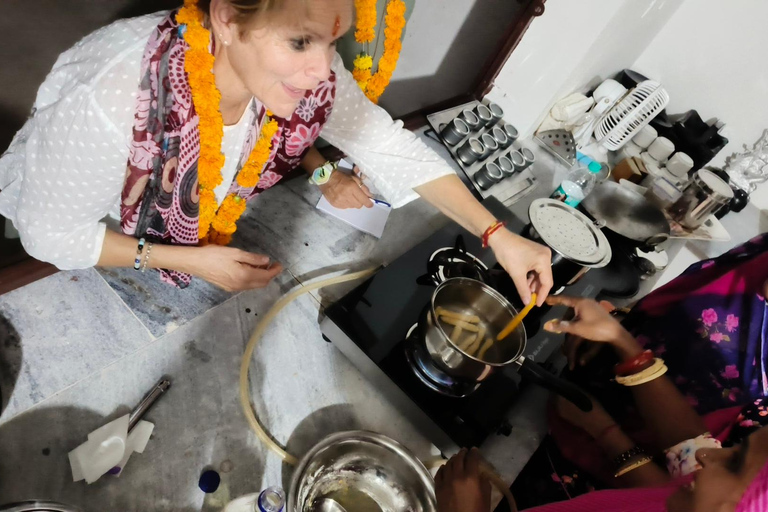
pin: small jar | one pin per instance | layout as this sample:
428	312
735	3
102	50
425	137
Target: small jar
497	112
488	176
528	156
645	137
490	144
506	165
704	195
455	131
471	119
679	164
471	151
484	114
500	136
661	148
511	132
517	160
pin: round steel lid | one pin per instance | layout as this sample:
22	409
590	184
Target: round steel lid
570	233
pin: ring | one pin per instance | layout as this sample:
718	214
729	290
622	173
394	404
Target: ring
360	185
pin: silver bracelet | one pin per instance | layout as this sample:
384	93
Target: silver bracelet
146	258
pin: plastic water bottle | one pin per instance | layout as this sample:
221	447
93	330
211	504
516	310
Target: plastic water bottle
271	499
579	182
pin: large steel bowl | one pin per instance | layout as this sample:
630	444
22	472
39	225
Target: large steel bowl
37	506
361	471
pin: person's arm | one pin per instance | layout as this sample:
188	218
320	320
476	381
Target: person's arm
664	409
342	190
401	166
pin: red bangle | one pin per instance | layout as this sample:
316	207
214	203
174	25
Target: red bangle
497	225
634	365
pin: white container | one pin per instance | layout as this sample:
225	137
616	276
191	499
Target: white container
649	160
679	164
645	137
661	148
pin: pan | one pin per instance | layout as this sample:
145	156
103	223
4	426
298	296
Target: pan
627	213
472	298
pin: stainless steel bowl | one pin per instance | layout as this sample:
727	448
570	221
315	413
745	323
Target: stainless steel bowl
361	470
37	506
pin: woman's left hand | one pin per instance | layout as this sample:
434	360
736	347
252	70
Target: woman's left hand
344	191
528	264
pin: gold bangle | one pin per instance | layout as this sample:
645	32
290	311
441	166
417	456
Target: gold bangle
656	370
632	466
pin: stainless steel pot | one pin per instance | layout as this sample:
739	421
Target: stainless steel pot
627	213
471	297
364	471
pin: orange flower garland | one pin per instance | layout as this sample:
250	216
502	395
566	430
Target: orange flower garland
365	24
216	223
374	85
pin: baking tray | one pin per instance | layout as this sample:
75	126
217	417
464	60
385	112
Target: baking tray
508	190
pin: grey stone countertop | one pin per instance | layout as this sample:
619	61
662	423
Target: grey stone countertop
80	348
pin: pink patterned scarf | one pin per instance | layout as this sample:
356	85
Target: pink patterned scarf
160	195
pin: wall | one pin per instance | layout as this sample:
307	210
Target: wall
446	44
573	45
711	57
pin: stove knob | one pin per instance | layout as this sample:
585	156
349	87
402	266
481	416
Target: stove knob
505	429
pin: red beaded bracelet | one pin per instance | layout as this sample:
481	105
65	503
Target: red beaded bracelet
491	230
634	365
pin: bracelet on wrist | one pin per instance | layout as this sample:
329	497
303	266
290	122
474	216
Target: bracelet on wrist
632	465
139	250
634	365
146	258
497	225
653	372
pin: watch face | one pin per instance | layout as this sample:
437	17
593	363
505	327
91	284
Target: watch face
321	175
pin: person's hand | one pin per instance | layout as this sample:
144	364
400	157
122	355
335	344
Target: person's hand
232	269
459	486
590	322
344	191
528	264
593	422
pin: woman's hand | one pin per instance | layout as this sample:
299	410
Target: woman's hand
594	422
459	486
590	322
528	264
232	269
344	191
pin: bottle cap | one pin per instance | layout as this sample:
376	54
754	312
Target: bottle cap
594	167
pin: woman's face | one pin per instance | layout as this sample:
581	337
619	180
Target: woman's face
725	475
279	58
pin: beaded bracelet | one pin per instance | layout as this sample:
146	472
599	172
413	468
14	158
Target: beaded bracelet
497	225
137	261
634	365
146	258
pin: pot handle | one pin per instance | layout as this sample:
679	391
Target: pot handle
534	372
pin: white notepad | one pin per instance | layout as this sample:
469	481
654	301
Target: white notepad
369	220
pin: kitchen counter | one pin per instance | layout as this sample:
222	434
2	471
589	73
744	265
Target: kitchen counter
80	348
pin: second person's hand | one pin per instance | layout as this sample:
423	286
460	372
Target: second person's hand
233	269
593	323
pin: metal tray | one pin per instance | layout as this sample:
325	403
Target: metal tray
508	190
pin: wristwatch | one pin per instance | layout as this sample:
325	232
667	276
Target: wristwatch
322	174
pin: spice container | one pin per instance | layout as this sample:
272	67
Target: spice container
512	134
704	195
484	114
490	145
517	160
488	176
471	119
455	131
506	165
471	151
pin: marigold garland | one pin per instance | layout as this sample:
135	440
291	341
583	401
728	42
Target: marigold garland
374	84
365	24
216	223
